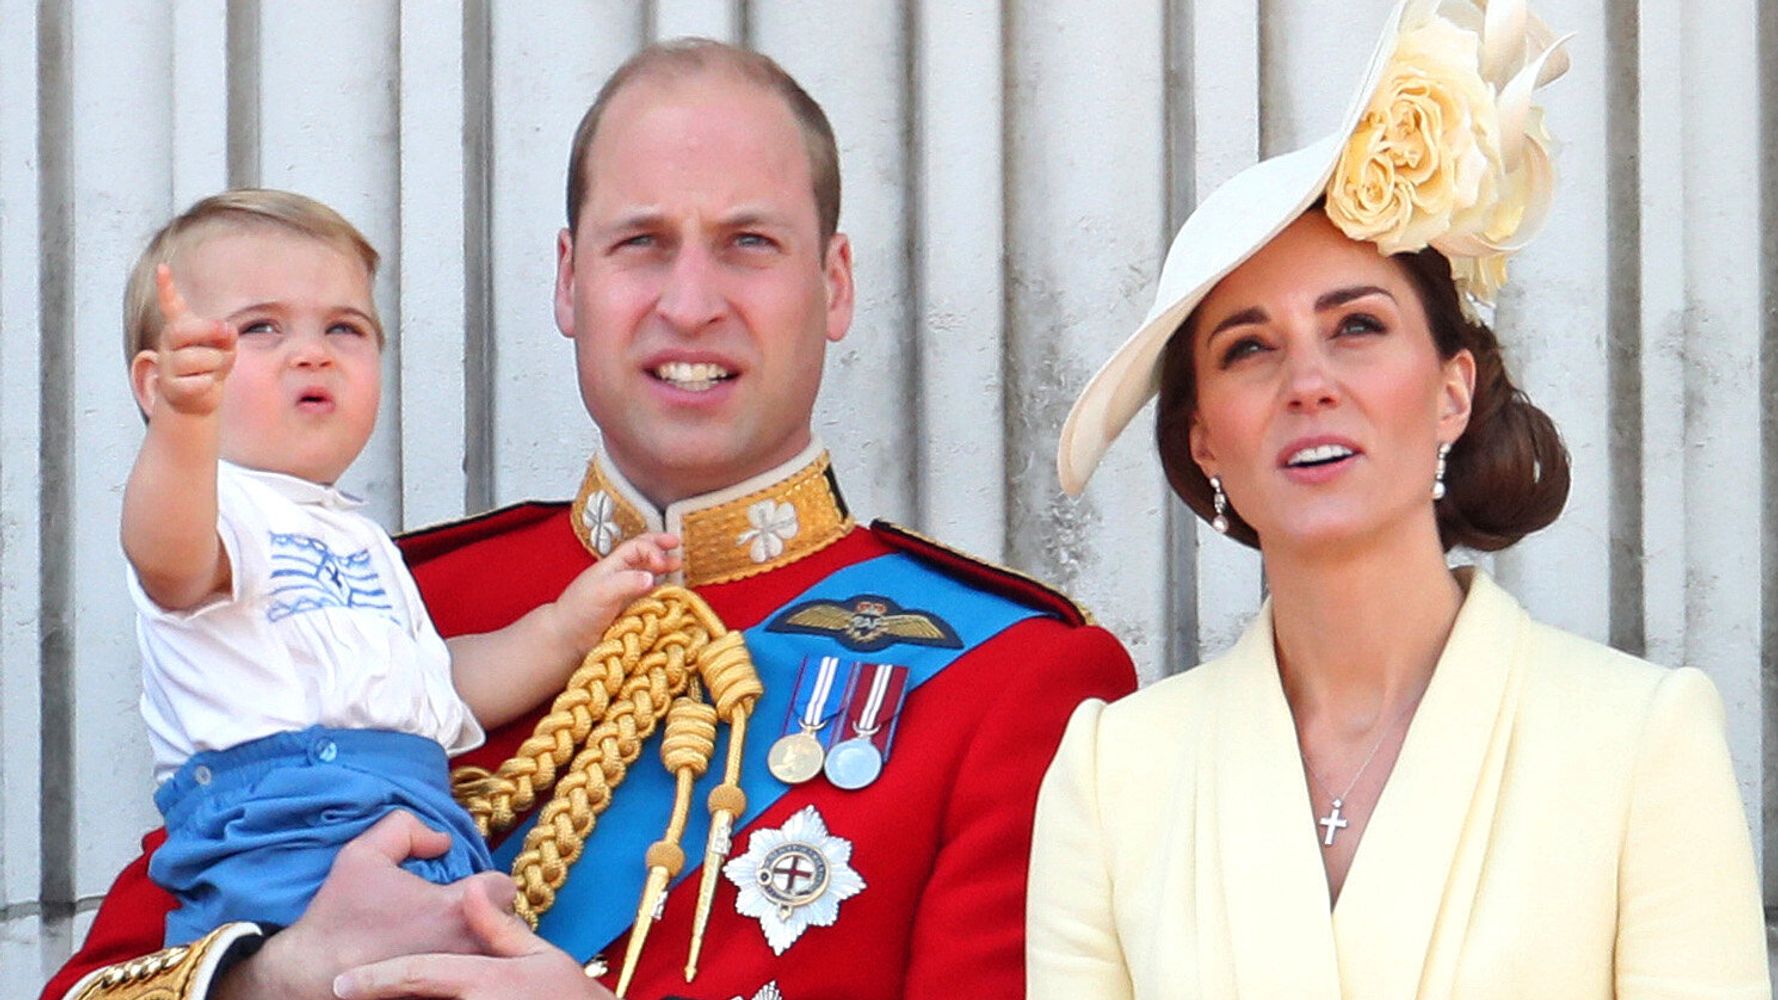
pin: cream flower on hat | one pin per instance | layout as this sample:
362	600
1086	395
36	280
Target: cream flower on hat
1427	151
1441	146
1428	164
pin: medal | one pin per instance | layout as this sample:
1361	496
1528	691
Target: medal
856	762
793	878
798	756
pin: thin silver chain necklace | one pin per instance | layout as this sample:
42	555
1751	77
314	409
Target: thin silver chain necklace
1334	822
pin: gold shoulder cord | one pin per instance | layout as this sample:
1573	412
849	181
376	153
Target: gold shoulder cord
173	973
650	664
164	975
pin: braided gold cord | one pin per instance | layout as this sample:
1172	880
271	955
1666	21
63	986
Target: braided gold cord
584	791
595	729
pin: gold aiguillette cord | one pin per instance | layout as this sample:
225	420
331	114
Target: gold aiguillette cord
734	687
727	802
687	748
661	646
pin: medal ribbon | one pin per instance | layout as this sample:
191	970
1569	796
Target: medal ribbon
879	686
809	708
879	704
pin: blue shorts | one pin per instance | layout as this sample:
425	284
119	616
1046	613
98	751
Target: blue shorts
253	830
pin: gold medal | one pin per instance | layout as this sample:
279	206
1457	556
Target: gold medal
796	758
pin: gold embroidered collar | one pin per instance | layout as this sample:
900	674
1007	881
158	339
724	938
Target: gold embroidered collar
752	527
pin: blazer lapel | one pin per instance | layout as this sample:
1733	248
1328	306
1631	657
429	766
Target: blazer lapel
1416	871
1261	882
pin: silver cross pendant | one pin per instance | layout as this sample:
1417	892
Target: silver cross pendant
1334	823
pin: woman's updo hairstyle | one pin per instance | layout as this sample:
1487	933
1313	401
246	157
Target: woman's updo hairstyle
1506	477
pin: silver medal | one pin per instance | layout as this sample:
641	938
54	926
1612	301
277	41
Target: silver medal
854	763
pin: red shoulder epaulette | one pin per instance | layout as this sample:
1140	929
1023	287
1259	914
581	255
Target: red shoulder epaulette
422	544
992	577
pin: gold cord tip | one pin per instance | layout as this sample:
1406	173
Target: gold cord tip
715	853
652	895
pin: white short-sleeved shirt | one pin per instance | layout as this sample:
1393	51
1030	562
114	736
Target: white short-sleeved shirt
323	626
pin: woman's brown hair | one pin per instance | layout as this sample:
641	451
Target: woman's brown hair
1506	477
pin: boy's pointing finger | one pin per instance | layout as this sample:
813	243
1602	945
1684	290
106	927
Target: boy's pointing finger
171	302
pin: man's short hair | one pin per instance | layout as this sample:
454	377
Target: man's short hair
685	57
232	211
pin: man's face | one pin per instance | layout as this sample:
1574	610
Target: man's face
696	287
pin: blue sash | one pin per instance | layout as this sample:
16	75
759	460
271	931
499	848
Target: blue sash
591	912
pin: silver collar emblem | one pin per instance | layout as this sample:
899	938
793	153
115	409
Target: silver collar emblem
793	878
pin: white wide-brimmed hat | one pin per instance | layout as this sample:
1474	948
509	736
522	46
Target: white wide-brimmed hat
1441	146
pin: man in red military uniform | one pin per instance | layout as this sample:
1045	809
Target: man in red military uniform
701	278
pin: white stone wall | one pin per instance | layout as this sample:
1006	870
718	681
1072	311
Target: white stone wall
1013	171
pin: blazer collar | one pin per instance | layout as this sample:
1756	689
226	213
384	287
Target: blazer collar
1274	890
754	526
1414	867
1420	861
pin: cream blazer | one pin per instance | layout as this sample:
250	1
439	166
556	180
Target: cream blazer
1562	822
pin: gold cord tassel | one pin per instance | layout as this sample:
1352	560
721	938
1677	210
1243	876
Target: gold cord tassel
686	750
735	690
595	730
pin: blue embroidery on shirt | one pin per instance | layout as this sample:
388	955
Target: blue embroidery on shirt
309	576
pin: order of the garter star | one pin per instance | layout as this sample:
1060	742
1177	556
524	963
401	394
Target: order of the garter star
793	878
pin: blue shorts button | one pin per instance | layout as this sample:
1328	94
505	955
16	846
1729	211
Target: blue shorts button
326	751
201	774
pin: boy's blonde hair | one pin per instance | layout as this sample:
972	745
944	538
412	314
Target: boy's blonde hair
239	208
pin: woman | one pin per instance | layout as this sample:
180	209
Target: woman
1396	784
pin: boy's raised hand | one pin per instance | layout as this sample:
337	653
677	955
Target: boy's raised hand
601	591
194	354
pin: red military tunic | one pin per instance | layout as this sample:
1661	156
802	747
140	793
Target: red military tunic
940	840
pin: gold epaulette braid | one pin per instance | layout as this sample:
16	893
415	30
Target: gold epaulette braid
177	973
594	731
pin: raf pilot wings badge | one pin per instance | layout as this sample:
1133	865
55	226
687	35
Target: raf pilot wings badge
867	623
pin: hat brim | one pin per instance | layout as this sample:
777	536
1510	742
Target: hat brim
1227	228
